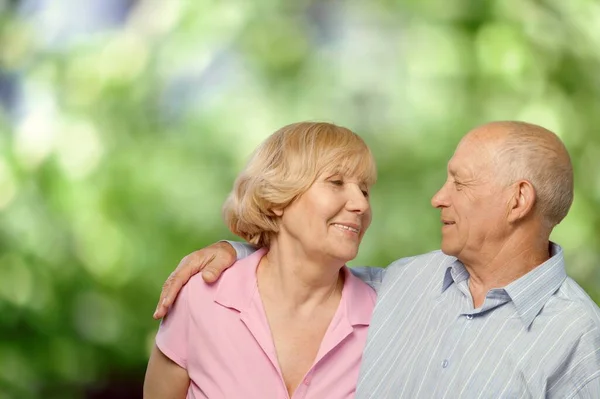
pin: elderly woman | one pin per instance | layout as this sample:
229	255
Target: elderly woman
290	321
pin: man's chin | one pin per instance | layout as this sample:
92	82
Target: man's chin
449	253
449	250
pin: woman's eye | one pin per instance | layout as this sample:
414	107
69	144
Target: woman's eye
337	182
365	193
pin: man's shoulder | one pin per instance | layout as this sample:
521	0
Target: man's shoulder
572	328
572	314
579	304
433	259
419	270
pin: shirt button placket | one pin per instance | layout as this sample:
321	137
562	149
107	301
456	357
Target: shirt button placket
302	389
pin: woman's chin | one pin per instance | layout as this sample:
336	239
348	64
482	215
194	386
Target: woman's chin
347	256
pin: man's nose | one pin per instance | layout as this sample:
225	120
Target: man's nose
440	199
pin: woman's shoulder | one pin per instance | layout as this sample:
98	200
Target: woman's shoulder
358	287
232	287
198	289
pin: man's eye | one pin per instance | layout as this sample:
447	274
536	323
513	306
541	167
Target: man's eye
458	185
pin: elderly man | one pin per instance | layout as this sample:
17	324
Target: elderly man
491	315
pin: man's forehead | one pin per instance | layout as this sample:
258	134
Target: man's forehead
462	158
455	168
469	164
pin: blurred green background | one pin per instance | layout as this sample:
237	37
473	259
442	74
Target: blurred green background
123	124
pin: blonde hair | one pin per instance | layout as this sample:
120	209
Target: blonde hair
284	166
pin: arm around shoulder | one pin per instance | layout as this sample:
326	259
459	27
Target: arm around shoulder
211	261
242	249
374	276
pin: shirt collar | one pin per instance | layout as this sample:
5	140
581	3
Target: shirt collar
455	272
528	293
238	286
531	292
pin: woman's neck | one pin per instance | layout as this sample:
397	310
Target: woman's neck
287	275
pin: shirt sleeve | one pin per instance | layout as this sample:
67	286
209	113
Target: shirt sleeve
372	276
591	389
242	249
375	276
172	336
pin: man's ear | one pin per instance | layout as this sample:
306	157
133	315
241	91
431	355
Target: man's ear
522	201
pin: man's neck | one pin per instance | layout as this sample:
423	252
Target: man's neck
501	266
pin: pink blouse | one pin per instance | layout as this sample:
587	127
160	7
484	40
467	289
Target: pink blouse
220	335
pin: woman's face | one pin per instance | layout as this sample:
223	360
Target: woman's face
328	221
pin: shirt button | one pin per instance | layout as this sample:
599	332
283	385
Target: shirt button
445	363
469	316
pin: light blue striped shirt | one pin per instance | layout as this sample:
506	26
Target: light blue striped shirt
537	337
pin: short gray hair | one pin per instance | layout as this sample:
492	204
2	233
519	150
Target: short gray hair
533	153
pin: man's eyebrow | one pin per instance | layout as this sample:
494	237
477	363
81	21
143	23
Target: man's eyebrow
457	172
453	171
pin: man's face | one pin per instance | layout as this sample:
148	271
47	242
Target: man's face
472	201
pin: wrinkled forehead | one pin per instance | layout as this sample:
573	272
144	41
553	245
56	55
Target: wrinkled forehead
473	155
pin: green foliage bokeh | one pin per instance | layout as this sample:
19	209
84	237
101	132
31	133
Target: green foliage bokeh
129	140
